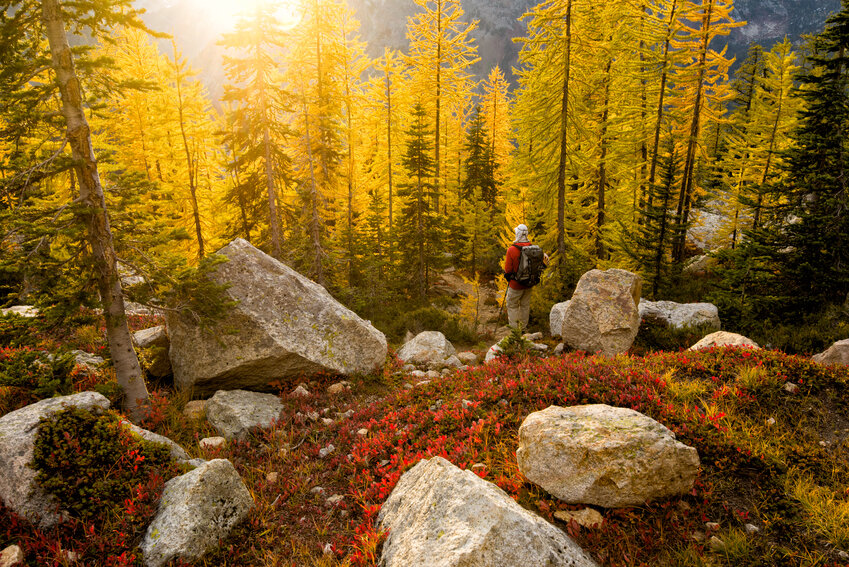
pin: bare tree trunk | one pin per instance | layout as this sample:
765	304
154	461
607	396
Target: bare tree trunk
127	369
389	156
561	168
437	162
601	250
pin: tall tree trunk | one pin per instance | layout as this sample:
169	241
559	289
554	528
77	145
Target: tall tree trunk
601	251
190	163
561	167
94	215
438	100
660	102
389	156
315	220
765	176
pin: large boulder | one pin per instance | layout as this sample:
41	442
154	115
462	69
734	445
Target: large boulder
27	311
555	318
197	510
603	314
724	338
234	412
604	456
441	516
284	326
429	348
18	489
838	353
680	315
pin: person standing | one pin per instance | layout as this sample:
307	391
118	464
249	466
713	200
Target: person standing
523	266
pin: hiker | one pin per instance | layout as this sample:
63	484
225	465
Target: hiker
523	268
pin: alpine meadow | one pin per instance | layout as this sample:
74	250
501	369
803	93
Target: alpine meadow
478	283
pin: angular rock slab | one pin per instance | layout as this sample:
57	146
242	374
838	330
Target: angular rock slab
427	348
197	510
838	353
18	489
603	315
724	338
555	318
441	516
681	315
155	338
604	456
234	412
283	326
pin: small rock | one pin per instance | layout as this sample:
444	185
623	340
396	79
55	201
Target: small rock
843	556
326	451
212	442
326	421
12	555
558	350
711	526
195	410
463	368
71	556
317	490
532	336
27	311
271	478
823	444
300	392
587	518
338	388
468	357
478	467
423	383
362	432
382	463
770	421
418	374
408	367
791	388
698	536
334	500
539	346
446	371
347	415
433	374
312	415
751	529
467	403
328	549
716	545
452	362
408	386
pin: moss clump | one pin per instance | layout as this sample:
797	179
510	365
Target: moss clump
93	465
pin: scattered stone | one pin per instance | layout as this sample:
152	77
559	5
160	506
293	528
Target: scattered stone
271	478
212	442
791	388
152	337
558	350
770	421
723	338
604	456
71	556
463	368
326	421
531	337
555	318
433	374
503	332
838	353
317	490
12	555
195	410
587	518
539	346
446	372
698	536
232	413
328	549
843	556
751	529
362	432
87	360
467	404
334	500
602	315
408	367
716	545
18	490
283	326
712	526
418	374
439	511
347	415
494	352
338	388
156	339
478	467
382	463
429	347
680	315
324	451
468	357
197	510
27	311
452	361
300	392
176	451
422	383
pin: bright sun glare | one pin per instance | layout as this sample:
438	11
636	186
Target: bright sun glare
227	12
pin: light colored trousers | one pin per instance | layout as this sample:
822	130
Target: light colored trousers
518	306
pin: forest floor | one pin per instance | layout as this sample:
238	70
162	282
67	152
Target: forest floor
770	460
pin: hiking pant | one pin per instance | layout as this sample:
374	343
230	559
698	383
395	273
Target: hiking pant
518	306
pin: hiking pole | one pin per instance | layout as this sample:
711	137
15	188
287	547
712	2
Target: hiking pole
503	301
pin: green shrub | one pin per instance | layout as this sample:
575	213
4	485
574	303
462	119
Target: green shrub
17	331
92	464
44	376
430	319
656	336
